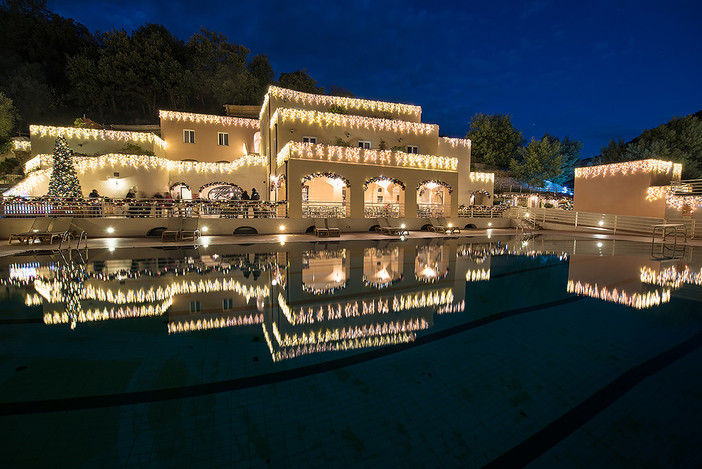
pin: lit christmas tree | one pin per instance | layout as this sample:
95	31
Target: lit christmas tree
64	180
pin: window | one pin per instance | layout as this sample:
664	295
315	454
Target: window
227	304
194	306
412	149
309	139
223	138
189	136
365	144
380	199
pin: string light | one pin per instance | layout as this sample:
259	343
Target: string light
634	300
84	164
630	167
481	177
330	119
352	344
433	184
456	142
96	134
105	314
21	145
394	181
299	97
317	151
209	119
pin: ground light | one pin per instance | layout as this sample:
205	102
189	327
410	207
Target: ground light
110	229
205	229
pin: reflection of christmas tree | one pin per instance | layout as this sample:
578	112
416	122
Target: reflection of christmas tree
64	181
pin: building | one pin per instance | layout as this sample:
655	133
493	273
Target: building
315	155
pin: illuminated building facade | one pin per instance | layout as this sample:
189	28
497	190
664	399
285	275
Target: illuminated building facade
324	156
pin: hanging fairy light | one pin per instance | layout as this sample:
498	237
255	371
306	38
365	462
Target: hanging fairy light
209	119
96	134
345	121
630	167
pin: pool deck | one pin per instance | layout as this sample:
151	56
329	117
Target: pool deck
97	243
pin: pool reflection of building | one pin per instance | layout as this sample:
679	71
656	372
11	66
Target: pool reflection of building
311	298
351	297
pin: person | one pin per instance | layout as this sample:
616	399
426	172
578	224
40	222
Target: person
131	203
245	209
168	203
95	204
255	196
158	206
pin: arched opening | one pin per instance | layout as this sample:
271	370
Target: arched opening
325	195
470	226
220	191
382	267
324	271
481	197
433	199
374	228
384	197
245	230
310	229
180	191
278	188
155	232
431	263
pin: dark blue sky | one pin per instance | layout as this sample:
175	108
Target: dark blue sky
593	70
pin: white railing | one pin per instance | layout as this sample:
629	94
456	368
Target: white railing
481	211
433	210
391	210
604	222
324	210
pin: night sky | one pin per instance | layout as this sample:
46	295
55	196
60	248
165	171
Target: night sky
591	70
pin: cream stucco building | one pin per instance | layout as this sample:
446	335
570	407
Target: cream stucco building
317	155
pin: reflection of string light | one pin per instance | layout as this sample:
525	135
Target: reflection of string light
33	300
635	300
105	314
353	344
351	332
451	309
673	276
477	275
213	323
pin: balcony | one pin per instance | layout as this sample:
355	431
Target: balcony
357	155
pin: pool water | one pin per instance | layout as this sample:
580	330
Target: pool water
501	351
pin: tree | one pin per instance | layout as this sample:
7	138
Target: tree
334	90
494	140
614	152
64	180
541	161
570	158
7	117
300	81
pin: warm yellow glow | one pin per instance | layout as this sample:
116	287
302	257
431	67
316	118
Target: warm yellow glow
477	275
352	344
209	119
21	145
298	97
95	134
630	167
205	229
456	142
481	177
674	276
634	300
350	122
216	323
105	314
110	229
298	150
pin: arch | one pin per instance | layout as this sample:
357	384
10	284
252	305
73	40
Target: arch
180	191
184	184
383	197
374	228
220	191
433	198
155	232
310	229
479	197
245	230
325	195
470	226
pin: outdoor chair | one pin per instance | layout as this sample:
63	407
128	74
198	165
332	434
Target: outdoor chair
385	227
59	228
173	229
38	225
320	228
189	230
448	226
333	227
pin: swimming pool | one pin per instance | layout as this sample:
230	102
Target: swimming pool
551	351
